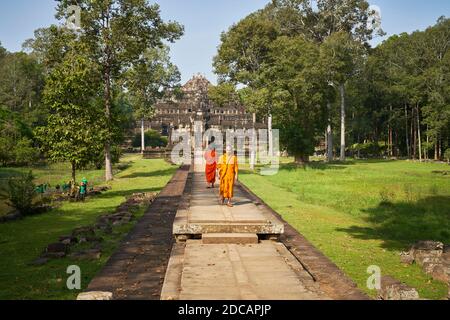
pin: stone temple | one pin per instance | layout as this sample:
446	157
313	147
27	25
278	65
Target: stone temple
194	106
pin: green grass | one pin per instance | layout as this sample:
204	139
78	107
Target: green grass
23	241
364	213
55	173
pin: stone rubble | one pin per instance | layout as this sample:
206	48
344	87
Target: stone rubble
432	256
89	234
95	295
392	289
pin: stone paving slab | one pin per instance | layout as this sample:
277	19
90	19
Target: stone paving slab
202	213
264	271
136	270
221	238
332	280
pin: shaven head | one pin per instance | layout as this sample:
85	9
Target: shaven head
228	149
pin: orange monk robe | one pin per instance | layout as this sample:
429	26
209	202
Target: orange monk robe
228	168
211	166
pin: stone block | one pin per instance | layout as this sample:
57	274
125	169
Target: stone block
95	295
392	289
230	238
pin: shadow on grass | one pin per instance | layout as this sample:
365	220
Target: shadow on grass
401	224
149	174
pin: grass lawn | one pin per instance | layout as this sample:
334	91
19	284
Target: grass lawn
364	213
55	173
22	241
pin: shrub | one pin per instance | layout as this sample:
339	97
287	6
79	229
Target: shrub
447	155
21	193
152	139
24	152
369	149
6	150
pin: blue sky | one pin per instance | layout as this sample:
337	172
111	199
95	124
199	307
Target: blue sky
204	20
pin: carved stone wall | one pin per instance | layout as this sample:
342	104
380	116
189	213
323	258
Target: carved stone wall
194	105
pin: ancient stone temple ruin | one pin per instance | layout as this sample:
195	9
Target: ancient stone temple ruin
195	106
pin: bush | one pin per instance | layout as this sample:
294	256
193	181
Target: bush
152	139
24	152
21	193
447	155
6	150
369	149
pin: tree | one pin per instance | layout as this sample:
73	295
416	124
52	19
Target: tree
2	51
298	94
118	33
245	49
21	84
436	111
49	46
153	77
16	140
223	94
339	59
75	130
319	19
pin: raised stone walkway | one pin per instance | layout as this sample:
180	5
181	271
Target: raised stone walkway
224	253
247	252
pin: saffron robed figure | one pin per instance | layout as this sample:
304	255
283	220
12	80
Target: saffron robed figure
228	174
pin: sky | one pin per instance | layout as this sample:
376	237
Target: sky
204	21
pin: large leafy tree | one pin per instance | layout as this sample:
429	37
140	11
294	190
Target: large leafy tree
75	129
118	33
408	78
319	19
340	57
436	77
298	94
223	94
2	51
151	78
49	46
21	83
245	50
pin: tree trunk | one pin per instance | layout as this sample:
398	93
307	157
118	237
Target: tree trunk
408	150
342	91
440	148
419	138
270	136
413	133
391	138
436	150
74	168
329	136
142	137
107	97
253	146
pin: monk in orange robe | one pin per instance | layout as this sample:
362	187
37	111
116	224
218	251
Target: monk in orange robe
228	173
211	167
